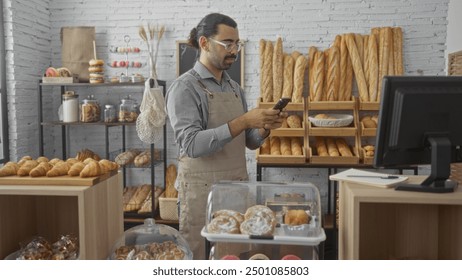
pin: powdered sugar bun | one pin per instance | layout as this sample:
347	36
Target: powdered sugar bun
257	210
225	212
223	224
258	225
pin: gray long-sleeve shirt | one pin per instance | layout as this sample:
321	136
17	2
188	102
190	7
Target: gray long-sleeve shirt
187	110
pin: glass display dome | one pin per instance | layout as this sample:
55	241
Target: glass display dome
151	241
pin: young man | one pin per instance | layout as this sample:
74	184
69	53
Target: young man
211	123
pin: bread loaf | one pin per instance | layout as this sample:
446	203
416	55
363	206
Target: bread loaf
126	157
294	121
262	60
333	74
295	55
373	69
332	149
265	147
299	75
10	168
287	84
278	69
296	146
41	169
107	166
142	159
268	72
286	149
348	86
385	34
357	68
343	147
146	205
275	145
170	179
321	148
391	55
137	198
359	46
318	75
398	50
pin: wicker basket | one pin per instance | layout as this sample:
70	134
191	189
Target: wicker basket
168	208
455	64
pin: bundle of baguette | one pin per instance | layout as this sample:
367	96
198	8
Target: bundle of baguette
369	57
287	146
332	146
281	74
27	166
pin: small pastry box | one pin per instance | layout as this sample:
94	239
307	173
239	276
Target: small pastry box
281	198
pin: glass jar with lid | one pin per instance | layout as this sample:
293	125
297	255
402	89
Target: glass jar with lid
90	110
128	110
109	113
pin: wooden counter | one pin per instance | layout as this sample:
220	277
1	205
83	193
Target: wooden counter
380	223
92	212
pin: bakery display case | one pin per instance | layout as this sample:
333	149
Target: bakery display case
272	219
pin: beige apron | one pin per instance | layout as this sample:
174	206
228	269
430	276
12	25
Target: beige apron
196	175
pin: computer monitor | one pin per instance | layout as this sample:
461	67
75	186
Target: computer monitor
420	122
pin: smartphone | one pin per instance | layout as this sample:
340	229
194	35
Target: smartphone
282	103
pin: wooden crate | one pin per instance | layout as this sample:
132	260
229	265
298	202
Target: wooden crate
315	159
332	131
371	106
367	131
281	158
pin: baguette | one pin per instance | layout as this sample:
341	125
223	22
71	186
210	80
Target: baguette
262	60
311	56
294	121
137	198
343	147
41	169
26	168
10	168
287	84
267	72
278	69
383	56
366	61
357	68
299	75
333	74
348	89
337	41
296	146
76	168
359	45
286	149
127	195
275	145
332	149
92	169
295	55
318	75
373	68
146	205
265	147
321	147
398	50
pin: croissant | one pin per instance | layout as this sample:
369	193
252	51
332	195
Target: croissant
10	168
24	159
41	169
42	159
107	166
92	169
60	169
76	168
27	167
72	161
88	160
54	161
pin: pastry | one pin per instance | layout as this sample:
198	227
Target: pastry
10	168
25	169
92	169
42	159
71	161
296	217
24	159
41	169
260	211
260	225
76	168
223	224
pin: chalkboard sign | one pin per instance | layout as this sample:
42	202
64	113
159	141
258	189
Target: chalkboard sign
186	57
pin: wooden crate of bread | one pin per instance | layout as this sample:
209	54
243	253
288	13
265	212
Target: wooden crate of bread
328	156
284	150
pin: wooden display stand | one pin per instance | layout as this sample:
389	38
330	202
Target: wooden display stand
91	212
381	223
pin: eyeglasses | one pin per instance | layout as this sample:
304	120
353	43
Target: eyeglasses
229	46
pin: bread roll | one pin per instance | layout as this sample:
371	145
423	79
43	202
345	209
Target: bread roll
275	145
311	56
288	82
299	75
318	75
398	50
10	168
333	74
265	147
332	149
296	146
286	149
294	121
357	68
278	69
268	72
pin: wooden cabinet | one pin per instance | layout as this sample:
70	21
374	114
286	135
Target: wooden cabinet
90	208
380	223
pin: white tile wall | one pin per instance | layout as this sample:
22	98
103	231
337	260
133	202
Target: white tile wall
33	43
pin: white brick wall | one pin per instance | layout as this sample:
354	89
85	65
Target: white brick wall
33	43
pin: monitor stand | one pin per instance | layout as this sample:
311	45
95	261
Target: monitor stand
438	181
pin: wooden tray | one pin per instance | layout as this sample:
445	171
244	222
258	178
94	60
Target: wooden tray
368	131
289	132
54	181
281	158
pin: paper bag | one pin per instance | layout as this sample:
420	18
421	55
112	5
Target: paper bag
77	49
